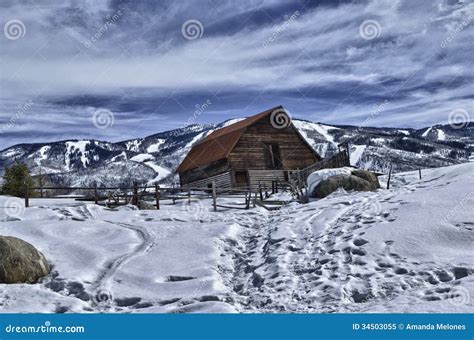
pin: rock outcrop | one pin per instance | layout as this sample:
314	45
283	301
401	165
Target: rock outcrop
20	262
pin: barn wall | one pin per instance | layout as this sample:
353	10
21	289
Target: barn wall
265	177
223	180
249	154
203	172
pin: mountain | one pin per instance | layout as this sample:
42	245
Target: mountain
155	158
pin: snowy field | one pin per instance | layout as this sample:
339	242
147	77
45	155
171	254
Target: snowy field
407	249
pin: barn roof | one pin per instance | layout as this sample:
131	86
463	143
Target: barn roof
218	144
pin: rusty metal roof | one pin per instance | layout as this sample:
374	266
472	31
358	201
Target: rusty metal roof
218	144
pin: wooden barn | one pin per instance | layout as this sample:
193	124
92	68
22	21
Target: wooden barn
257	150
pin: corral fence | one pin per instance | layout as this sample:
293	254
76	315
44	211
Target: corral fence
152	196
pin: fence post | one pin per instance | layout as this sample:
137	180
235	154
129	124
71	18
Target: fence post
135	194
214	196
260	191
247	206
189	195
157	196
27	194
273	187
96	198
389	176
276	186
419	172
255	199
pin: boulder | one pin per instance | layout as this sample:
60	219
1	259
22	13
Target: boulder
368	176
20	262
347	182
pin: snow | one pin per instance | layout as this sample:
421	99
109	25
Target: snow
232	121
319	128
441	134
318	176
142	157
134	145
425	134
161	171
356	153
407	249
405	132
40	155
156	147
73	147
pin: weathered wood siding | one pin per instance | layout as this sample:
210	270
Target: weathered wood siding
265	177
223	181
204	172
248	153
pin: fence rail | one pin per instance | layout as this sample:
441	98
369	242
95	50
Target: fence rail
135	195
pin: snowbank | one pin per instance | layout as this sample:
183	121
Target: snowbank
318	176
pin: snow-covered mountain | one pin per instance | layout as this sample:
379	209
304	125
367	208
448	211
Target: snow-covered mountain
155	158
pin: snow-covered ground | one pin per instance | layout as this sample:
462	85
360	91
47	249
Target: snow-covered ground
407	249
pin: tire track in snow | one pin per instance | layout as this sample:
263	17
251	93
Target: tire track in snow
102	284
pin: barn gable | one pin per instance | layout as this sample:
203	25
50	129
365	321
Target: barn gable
220	143
256	143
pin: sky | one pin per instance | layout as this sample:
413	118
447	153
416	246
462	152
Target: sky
120	69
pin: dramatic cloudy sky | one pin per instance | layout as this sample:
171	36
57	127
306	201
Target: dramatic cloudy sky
140	67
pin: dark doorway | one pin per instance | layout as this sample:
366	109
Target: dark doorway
272	156
241	179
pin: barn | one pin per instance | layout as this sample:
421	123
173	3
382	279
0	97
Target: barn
256	150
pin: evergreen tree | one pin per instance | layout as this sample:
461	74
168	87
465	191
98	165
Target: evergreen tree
15	178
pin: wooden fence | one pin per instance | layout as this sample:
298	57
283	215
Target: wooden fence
142	195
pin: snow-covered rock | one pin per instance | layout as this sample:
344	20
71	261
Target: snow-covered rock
318	176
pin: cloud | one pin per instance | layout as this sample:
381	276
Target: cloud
131	58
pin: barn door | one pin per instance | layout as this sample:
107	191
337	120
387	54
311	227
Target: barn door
241	179
272	156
